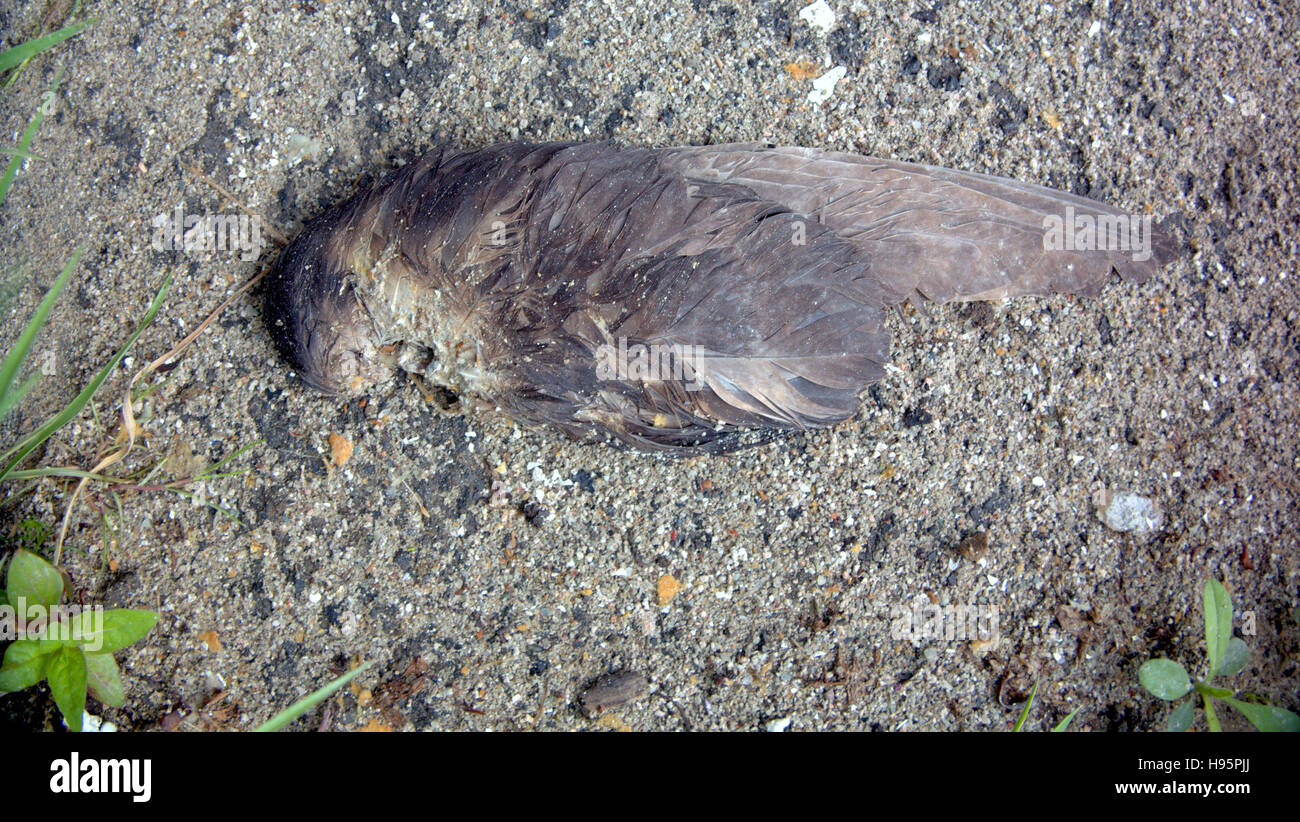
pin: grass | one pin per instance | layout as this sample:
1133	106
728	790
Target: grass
12	59
81	664
12	392
21	54
1061	726
22	152
302	706
75	670
16	453
10	396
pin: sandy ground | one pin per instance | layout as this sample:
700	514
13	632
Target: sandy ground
491	574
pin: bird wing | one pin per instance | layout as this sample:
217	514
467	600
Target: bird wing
774	320
942	234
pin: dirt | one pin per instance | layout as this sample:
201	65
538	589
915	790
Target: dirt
491	574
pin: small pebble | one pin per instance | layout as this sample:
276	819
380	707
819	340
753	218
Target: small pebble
819	15
974	547
777	726
1129	512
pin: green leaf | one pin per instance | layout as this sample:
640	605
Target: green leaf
1065	723
33	579
1164	679
38	644
1212	690
67	676
1211	716
23	52
104	679
1183	716
1218	622
108	631
23	667
16	453
1267	717
308	702
1236	658
26	155
1029	703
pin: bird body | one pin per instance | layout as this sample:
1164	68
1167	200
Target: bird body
666	297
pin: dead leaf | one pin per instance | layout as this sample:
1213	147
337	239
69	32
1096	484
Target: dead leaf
613	690
340	449
803	70
211	639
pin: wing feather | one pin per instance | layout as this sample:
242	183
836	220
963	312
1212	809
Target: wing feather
942	234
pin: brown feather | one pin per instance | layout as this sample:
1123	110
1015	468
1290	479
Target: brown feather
943	234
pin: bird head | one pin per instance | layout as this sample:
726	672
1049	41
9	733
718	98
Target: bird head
316	318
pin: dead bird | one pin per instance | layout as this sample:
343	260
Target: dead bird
667	298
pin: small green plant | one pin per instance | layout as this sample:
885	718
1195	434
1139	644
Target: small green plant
1226	655
1029	703
12	61
70	648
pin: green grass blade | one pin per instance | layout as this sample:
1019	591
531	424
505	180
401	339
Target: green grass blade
74	473
14	359
225	460
152	472
10	399
302	706
24	155
19	54
25	144
1065	723
29	443
1020	723
238	472
230	515
146	390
